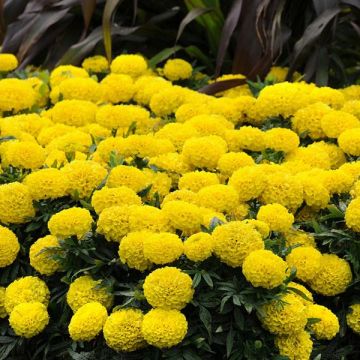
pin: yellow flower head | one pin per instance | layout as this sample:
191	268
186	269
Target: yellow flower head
234	241
88	321
29	319
164	328
85	290
168	288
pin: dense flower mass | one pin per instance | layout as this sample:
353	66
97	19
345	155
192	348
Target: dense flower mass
128	197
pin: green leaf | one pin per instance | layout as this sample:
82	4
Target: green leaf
163	55
205	318
110	7
196	280
229	342
207	279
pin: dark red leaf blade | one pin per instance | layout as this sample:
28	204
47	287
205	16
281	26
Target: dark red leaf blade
191	15
223	85
88	8
227	31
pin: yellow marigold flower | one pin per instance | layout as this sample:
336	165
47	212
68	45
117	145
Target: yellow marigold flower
349	142
283	189
144	146
282	99
84	176
355	191
57	158
160	183
148	218
280	139
97	131
16	95
29	123
177	69
295	346
113	223
353	318
8	62
40	255
183	216
352	168
307	120
299	237
162	248
336	155
248	181
115	145
351	92
131	251
3	313
26	290
69	222
182	195
9	247
198	247
167	100
336	122
306	260
129	176
81	89
168	288
286	318
71	142
265	269
327	327
352	107
64	72
164	328
260	226
189	110
304	292
352	215
328	96
337	181
85	290
15	203
74	112
41	89
147	86
227	108
23	154
29	319
210	124
122	330
47	184
221	198
312	156
277	73
87	322
234	241
118	88
232	161
276	216
177	134
197	180
119	196
129	64
96	64
246	138
333	277
47	134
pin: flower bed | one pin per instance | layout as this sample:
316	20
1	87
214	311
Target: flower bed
142	217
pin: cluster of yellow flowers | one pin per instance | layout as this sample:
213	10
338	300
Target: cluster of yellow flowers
159	162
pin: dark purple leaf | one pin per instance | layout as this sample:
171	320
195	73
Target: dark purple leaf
88	8
227	31
223	85
190	16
